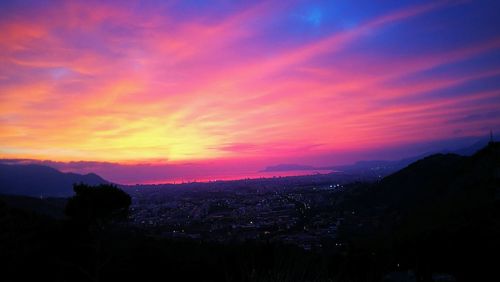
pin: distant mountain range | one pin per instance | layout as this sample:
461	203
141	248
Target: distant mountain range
375	166
41	181
441	212
382	167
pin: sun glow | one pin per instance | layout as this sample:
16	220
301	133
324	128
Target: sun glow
125	83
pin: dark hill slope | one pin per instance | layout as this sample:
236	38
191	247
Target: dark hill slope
442	178
441	213
38	180
51	207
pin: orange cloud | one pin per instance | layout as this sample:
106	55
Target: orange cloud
109	83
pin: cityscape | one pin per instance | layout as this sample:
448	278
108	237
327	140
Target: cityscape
263	209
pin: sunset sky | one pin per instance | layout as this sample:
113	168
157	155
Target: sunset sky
152	91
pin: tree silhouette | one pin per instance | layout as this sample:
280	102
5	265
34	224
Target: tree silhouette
97	204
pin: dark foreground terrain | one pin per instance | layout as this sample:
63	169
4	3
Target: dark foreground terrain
436	220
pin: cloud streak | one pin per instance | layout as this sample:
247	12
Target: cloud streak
143	83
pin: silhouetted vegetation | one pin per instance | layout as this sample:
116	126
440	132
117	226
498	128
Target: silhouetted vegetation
97	204
440	214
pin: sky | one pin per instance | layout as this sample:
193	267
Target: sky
157	91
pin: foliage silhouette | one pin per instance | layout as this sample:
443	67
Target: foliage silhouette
97	204
439	215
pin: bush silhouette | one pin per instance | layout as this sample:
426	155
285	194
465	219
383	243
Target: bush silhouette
97	204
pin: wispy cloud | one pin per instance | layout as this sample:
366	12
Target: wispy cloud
138	82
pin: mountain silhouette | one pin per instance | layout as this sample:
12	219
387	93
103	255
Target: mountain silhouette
440	214
41	181
443	177
475	147
381	167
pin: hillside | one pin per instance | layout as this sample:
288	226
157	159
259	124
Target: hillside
41	181
438	215
441	212
434	180
51	207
